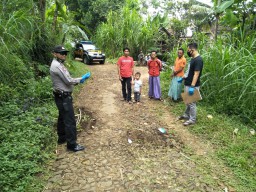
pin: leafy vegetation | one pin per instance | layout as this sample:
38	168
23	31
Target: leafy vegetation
235	149
91	13
27	139
228	81
228	92
26	143
130	31
29	30
27	109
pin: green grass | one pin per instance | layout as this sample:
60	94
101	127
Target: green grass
27	143
228	91
237	151
28	137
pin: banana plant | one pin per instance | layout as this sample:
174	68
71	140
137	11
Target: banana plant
209	13
63	23
219	8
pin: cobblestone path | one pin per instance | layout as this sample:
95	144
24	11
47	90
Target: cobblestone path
124	149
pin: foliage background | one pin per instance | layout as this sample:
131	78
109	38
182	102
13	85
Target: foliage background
31	28
29	31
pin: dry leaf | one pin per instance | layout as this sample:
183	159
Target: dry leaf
252	131
235	131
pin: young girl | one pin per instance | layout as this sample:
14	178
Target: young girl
137	87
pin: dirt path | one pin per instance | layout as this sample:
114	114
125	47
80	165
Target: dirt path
177	161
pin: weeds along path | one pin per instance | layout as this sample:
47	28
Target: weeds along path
150	161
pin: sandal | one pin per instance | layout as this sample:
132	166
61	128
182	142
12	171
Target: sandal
189	122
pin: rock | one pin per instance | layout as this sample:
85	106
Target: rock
63	166
90	180
89	169
82	182
56	178
105	184
64	188
104	162
136	172
231	189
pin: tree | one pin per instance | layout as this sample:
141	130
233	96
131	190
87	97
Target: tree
219	8
241	17
199	16
42	9
202	16
91	13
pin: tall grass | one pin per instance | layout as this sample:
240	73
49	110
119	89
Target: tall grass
22	45
228	88
13	47
229	77
126	28
26	109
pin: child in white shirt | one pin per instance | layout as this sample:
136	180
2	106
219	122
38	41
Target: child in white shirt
137	87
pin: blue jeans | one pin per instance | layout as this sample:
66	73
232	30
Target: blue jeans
137	96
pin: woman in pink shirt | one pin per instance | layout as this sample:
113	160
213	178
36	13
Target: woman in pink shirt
154	67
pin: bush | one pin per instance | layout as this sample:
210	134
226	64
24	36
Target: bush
228	76
26	142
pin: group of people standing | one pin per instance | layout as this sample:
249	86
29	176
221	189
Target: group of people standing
63	85
125	67
143	59
191	78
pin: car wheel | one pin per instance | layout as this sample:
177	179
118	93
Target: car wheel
102	62
86	60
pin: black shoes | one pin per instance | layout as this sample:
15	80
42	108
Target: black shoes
183	117
76	148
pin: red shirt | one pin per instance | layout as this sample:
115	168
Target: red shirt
154	67
125	65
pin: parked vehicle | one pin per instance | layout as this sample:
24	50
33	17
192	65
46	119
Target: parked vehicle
88	52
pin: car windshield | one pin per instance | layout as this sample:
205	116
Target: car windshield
89	46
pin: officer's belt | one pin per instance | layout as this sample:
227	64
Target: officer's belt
58	92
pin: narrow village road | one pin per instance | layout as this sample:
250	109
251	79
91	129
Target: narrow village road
150	161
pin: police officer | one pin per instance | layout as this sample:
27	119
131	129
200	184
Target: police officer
63	85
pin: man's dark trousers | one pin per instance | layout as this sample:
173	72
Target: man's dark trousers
126	84
66	127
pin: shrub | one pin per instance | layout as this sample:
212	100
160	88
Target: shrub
26	141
